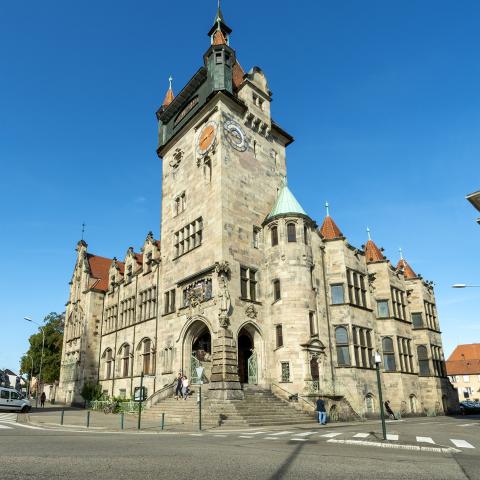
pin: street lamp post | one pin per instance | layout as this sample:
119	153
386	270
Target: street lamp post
28	319
31	375
378	360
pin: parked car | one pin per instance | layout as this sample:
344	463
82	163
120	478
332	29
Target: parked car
12	400
469	406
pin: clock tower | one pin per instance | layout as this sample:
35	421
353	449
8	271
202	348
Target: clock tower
223	165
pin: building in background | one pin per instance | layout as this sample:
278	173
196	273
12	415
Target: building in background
474	199
463	369
244	282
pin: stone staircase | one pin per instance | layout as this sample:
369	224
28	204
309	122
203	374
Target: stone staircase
259	408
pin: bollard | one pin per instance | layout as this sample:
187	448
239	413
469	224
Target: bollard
163	421
122	420
62	413
88	418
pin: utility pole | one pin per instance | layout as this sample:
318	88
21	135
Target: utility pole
378	360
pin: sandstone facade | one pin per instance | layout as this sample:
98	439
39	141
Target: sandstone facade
243	281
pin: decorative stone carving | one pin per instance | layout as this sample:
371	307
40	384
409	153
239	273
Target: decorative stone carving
176	158
251	311
223	270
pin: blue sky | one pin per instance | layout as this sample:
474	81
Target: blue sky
381	97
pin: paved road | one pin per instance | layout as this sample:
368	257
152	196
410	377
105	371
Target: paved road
452	452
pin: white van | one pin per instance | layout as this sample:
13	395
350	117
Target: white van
12	400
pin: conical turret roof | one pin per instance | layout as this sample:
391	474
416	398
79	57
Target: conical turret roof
329	229
407	269
286	204
373	253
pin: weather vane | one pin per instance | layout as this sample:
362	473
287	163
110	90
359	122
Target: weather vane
83	228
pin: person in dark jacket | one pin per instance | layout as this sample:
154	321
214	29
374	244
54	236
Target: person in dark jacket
322	413
178	388
389	410
43	397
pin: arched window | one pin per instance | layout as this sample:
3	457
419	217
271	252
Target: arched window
125	360
423	363
388	355
108	363
291	232
147	363
413	403
274	234
341	341
369	403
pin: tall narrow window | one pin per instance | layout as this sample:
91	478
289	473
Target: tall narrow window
312	323
256	237
291	232
279	336
417	320
276	290
285	372
357	292
382	309
423	362
169	301
253	284
108	364
125	360
274	235
248	283
244	282
341	342
147	345
388	354
337	294
305	234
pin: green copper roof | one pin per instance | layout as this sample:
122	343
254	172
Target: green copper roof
286	203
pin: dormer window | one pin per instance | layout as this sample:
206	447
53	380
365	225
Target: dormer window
148	261
129	274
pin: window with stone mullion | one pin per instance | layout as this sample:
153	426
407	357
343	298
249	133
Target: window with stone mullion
357	292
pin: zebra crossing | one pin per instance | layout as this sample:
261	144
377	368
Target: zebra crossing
8	417
363	438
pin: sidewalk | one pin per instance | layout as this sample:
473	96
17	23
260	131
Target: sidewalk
50	417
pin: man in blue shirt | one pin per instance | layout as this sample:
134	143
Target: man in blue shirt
322	414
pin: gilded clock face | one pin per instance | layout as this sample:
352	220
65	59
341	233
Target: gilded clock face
206	138
235	135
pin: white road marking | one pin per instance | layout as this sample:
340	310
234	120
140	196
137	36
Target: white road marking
256	433
5	426
219	435
279	433
244	436
271	438
196	434
331	435
23	425
8	416
425	440
305	434
391	436
298	439
467	425
461	443
361	435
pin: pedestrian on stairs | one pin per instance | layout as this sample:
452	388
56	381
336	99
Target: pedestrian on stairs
185	389
389	410
322	413
178	389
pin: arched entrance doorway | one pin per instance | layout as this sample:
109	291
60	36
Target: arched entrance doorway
245	356
198	351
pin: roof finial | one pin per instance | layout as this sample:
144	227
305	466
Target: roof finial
328	210
401	253
83	228
368	233
170	80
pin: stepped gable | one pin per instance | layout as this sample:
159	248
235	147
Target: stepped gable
407	269
329	229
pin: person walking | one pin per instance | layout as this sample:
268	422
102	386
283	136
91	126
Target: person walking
322	413
389	410
185	387
43	397
178	388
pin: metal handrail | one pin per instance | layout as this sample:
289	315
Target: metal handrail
156	395
310	404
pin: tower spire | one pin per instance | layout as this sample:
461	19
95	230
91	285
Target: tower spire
401	253
169	96
368	233
220	31
327	208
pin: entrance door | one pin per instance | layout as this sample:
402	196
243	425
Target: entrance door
245	350
201	356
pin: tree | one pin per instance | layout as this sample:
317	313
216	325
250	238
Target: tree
52	353
91	391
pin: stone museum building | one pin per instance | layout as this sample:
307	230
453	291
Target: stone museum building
243	281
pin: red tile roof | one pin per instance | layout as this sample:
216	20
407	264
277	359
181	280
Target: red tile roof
373	253
237	75
465	360
219	38
407	269
329	229
99	268
169	96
